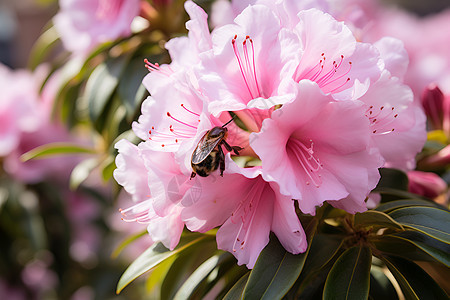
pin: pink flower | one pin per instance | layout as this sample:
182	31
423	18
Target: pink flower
426	44
314	148
149	172
437	108
84	24
426	184
224	11
19	107
317	115
26	124
257	66
246	208
397	124
244	67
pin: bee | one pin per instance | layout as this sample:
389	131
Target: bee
208	155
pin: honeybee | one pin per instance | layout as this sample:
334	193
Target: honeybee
208	155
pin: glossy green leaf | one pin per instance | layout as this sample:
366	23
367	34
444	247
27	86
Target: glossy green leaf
414	282
390	206
393	245
156	275
350	275
236	292
438	250
53	149
127	242
153	256
380	285
102	83
393	178
375	218
274	273
186	263
130	89
432	221
276	270
189	286
325	248
392	194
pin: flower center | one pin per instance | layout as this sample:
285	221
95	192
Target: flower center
309	163
332	77
108	9
381	119
180	127
245	57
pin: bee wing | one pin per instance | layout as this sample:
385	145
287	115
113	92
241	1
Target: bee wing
204	148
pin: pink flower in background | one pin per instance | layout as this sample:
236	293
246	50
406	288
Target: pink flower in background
27	125
224	11
427	45
314	148
19	107
427	184
84	24
437	108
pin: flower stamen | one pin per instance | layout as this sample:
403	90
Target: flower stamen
247	65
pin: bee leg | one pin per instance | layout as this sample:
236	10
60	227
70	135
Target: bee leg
235	149
221	160
192	175
227	146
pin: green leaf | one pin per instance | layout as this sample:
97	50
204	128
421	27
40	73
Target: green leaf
42	47
238	289
156	275
130	89
431	221
324	249
190	285
376	219
274	273
350	276
108	166
155	255
186	263
81	172
127	242
434	248
53	149
380	285
390	206
276	270
392	194
393	178
102	83
414	282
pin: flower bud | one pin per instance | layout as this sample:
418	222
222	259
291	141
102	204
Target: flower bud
427	184
432	102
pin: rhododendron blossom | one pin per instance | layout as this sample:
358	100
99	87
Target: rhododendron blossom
84	24
314	109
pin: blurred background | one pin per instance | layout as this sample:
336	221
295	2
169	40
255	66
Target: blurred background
59	243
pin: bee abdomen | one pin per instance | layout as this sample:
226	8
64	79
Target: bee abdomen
208	165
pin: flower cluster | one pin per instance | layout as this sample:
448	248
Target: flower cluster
315	112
